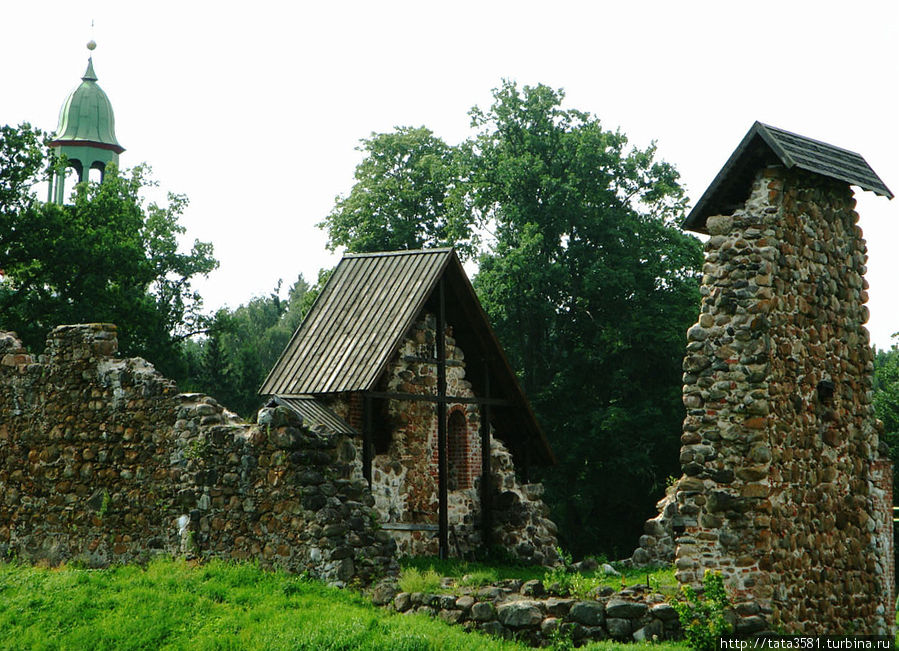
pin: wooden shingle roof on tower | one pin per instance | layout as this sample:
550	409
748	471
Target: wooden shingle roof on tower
765	145
361	317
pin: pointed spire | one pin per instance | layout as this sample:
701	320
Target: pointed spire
89	74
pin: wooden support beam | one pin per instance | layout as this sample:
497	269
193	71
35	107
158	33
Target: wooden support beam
450	400
442	498
486	471
366	438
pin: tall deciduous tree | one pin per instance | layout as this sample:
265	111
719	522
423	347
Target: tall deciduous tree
409	194
588	282
591	289
104	257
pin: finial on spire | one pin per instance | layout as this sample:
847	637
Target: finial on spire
89	74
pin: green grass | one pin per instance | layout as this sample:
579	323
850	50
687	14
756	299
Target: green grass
173	605
414	580
473	573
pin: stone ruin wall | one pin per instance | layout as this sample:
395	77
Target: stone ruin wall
102	461
404	466
786	488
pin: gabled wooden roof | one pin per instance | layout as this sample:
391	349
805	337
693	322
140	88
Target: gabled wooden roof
361	317
764	145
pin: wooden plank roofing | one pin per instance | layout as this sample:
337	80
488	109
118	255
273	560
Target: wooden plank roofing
361	317
314	413
764	145
357	322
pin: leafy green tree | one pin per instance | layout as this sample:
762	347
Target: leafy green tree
242	346
587	280
104	257
591	288
886	403
408	194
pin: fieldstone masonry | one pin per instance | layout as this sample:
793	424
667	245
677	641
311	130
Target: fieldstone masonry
102	460
536	614
786	487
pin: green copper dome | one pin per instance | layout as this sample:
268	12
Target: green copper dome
86	117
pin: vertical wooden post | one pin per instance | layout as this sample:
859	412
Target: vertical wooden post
443	506
366	437
486	472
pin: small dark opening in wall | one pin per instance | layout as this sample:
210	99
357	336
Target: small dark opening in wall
382	427
825	391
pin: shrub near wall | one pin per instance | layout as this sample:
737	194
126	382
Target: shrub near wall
102	460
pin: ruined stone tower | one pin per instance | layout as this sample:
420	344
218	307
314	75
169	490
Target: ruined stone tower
786	489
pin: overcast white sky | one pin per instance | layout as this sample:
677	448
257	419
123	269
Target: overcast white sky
254	109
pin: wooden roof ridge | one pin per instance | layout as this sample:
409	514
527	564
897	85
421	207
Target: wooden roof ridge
384	254
764	144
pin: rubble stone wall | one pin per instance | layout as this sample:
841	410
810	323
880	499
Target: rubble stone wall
780	445
532	613
102	460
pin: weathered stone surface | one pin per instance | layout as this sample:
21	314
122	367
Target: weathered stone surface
558	607
588	613
520	614
618	608
451	616
533	588
652	631
619	629
549	626
664	612
495	629
384	593
402	602
483	611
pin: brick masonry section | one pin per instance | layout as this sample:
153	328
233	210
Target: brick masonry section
404	466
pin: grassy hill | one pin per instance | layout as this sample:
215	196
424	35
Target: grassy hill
175	605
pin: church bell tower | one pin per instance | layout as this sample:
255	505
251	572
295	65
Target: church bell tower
86	132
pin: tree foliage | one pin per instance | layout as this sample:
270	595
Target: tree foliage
104	257
886	403
243	345
591	289
589	286
408	194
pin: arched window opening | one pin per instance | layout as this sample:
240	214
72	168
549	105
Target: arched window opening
458	475
96	172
